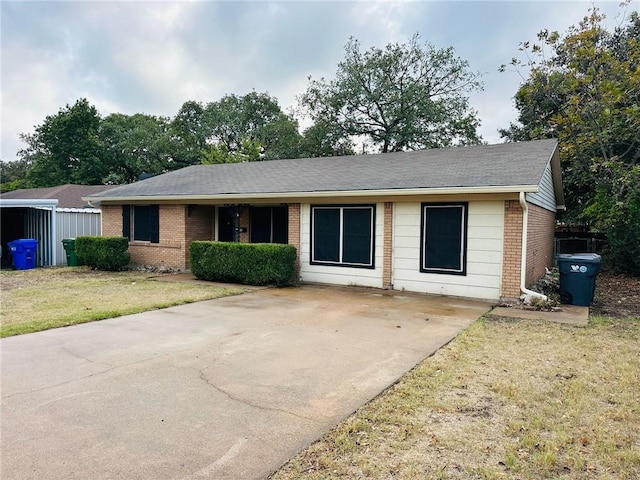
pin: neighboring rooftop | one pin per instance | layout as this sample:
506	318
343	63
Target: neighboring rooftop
503	165
68	196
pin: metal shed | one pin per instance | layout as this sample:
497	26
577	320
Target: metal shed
49	214
75	222
31	218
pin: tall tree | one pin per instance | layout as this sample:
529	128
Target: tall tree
407	96
13	175
189	133
66	148
323	139
234	124
136	144
584	89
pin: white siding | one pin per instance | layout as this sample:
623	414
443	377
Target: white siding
545	197
368	277
72	224
484	253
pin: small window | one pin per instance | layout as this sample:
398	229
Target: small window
343	235
141	223
444	238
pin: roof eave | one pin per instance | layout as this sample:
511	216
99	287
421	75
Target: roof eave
28	202
556	174
230	197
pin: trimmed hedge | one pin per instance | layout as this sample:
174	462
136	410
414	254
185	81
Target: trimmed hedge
103	253
246	263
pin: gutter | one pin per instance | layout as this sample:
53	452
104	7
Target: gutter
528	294
230	197
28	202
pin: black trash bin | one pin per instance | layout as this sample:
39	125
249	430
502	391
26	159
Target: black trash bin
578	273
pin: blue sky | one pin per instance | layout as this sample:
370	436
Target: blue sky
151	57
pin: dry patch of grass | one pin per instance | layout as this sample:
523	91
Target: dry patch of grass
505	400
43	298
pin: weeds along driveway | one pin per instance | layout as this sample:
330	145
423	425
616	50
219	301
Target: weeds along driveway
228	388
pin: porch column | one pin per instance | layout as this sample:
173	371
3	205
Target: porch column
294	231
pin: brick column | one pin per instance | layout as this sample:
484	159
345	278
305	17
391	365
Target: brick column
294	230
244	223
111	220
387	254
512	249
198	226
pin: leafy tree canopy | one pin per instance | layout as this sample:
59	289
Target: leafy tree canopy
325	139
14	175
235	122
66	148
584	89
236	129
189	133
136	144
402	97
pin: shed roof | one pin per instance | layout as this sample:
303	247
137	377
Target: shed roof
68	195
502	167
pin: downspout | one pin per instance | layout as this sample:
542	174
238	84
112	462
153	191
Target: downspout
528	294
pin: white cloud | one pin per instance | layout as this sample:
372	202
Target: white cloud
32	94
151	57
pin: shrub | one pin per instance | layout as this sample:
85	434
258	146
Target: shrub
246	263
103	253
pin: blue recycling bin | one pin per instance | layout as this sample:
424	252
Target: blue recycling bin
23	252
578	273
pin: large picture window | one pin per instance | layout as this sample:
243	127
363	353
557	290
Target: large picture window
141	223
444	238
343	235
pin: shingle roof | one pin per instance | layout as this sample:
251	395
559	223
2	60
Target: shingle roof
503	165
68	196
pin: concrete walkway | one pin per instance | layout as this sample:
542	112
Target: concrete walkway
569	314
226	389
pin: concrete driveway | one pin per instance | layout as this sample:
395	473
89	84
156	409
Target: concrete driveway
228	388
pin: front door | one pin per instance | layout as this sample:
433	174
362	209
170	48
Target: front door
225	224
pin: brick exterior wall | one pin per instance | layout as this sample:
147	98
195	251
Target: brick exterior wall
170	251
540	230
177	231
111	220
199	225
294	231
387	254
511	250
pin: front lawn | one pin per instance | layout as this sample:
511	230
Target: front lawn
505	400
43	298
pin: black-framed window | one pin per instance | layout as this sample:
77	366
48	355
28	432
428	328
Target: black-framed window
269	224
343	235
141	223
443	239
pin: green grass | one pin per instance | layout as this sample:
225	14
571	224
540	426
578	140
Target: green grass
506	399
44	298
